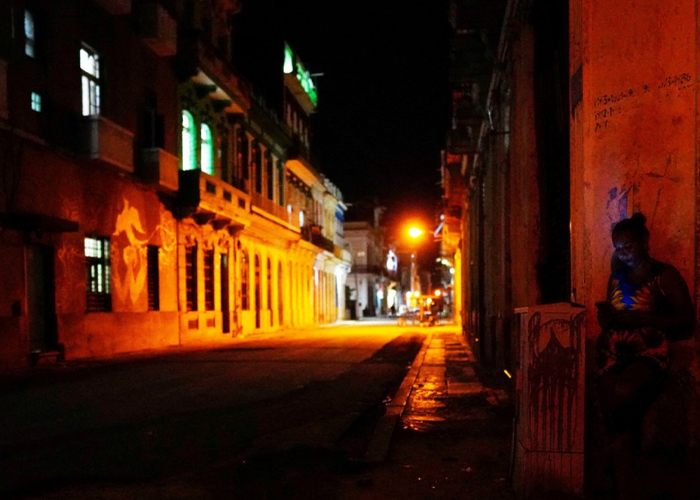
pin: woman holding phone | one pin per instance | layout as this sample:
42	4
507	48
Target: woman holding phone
648	306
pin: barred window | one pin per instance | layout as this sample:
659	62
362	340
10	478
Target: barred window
209	280
153	279
98	269
270	173
191	277
257	166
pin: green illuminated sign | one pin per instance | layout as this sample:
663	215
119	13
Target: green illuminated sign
302	75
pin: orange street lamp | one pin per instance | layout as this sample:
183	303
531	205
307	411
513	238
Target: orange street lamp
415	232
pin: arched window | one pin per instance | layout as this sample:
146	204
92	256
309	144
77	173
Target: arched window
245	281
269	286
188	141
258	294
206	149
280	297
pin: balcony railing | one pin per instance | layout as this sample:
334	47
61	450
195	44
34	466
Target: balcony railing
103	140
367	270
269	206
211	198
159	167
313	235
115	7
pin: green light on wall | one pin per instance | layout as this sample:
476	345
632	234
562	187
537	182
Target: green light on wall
288	67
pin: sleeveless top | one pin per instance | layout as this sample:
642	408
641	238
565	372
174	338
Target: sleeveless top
622	346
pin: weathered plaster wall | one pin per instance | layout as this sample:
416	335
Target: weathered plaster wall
638	140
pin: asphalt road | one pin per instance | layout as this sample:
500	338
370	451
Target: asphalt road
148	424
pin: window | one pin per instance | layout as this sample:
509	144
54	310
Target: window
191	277
36	102
280	181
188	161
270	172
90	68
206	149
242	154
29	34
280	300
98	267
153	278
257	165
245	281
301	218
209	280
269	285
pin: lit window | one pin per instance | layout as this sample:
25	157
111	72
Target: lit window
90	68
29	34
301	218
188	162
36	102
207	158
98	269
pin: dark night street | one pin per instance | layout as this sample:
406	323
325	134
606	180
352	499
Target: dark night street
267	417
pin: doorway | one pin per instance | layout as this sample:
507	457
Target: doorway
225	309
42	327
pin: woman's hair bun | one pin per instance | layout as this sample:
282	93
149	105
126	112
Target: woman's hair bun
639	218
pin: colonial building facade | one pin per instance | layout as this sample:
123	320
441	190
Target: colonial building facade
150	197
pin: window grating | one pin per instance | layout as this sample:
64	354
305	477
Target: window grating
153	279
191	277
209	280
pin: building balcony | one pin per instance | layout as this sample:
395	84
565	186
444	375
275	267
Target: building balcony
313	235
378	270
160	168
103	140
267	205
208	199
200	61
115	7
157	29
463	141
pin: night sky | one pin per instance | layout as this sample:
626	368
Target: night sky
382	99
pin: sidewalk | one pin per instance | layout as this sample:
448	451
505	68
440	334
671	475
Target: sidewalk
452	438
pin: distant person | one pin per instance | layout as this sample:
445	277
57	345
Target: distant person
648	307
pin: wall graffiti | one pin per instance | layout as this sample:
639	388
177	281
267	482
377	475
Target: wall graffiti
611	105
555	357
129	249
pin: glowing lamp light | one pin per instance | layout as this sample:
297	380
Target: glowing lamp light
438	292
415	232
416	294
